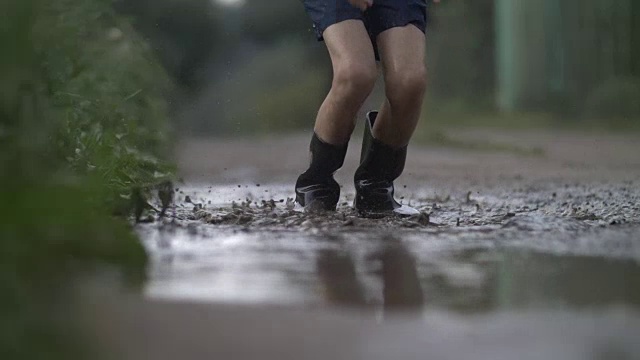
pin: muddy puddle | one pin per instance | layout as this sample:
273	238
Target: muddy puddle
522	257
555	247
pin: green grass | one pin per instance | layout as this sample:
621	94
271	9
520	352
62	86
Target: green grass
439	114
441	119
441	138
83	123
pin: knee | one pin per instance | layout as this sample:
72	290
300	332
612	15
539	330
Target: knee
406	84
354	79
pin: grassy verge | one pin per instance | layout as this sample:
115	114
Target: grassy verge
444	139
82	123
452	113
441	120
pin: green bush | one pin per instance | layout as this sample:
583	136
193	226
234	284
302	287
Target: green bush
183	33
82	123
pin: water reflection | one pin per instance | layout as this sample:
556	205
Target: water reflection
401	286
397	272
382	271
480	280
337	273
543	280
524	280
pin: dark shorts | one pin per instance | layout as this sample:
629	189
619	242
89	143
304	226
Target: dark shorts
383	15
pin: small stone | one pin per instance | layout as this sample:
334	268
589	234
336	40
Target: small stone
244	219
348	222
410	224
290	204
419	219
424	219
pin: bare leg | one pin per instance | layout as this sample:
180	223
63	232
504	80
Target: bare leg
402	51
354	75
385	147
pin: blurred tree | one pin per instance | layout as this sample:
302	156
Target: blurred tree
273	21
270	20
573	57
185	33
460	51
271	75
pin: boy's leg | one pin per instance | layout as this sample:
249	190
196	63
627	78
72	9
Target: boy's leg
354	75
388	132
402	52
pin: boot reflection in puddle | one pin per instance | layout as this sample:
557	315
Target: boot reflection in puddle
337	272
401	285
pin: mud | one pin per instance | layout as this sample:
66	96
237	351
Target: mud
560	207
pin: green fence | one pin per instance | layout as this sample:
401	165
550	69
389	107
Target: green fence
560	54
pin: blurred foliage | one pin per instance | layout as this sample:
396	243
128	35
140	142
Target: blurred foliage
278	89
183	33
616	102
269	74
257	67
82	123
460	51
567	56
269	21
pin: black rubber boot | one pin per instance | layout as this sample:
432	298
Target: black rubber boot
380	165
316	188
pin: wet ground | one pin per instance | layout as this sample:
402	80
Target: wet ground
528	241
